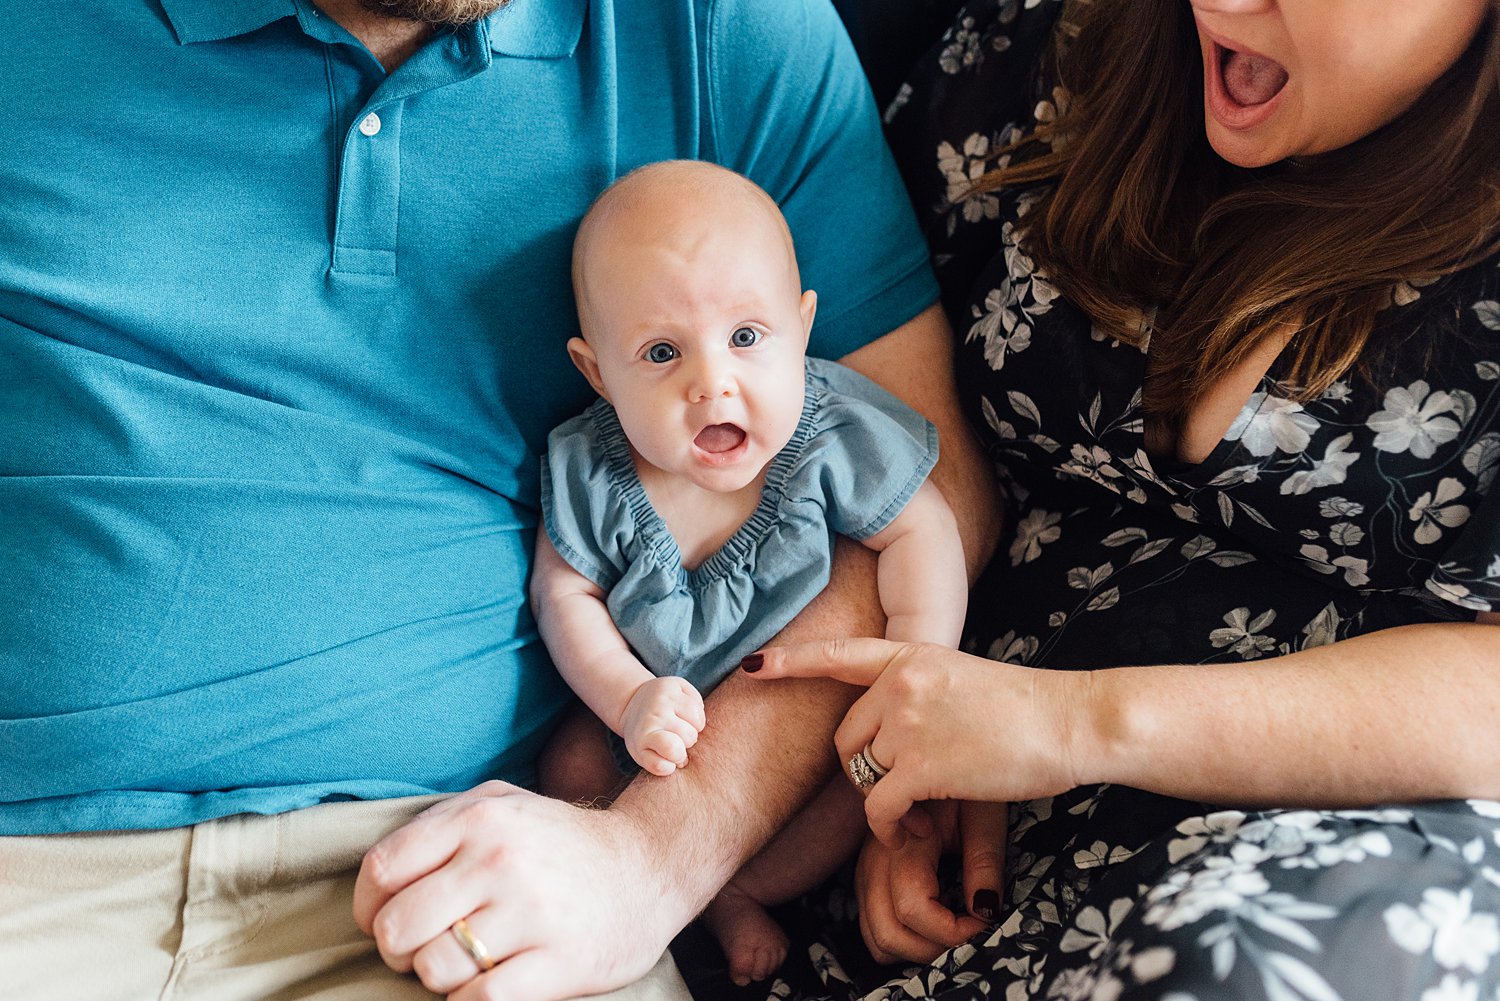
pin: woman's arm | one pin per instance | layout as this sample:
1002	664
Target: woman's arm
659	717
1395	716
1400	715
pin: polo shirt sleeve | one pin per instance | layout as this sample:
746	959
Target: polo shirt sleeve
791	109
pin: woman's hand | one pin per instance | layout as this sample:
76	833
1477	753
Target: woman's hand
947	725
900	915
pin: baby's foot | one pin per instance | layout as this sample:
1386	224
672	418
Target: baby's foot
753	944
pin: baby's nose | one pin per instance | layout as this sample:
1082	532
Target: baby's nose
712	380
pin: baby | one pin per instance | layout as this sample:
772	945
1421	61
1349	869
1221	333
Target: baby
690	513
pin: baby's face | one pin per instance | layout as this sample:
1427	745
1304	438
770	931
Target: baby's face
699	332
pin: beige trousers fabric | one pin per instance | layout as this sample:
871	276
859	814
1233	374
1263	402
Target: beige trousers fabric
246	908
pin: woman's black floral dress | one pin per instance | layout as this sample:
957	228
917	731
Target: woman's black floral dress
1366	509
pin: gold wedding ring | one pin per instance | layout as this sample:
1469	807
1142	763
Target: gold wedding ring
472	945
865	770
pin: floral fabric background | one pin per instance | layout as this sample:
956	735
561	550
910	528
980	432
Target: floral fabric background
1368	508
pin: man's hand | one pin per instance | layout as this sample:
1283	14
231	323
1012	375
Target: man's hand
660	722
504	859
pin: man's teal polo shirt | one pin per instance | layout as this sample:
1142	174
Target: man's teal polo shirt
281	338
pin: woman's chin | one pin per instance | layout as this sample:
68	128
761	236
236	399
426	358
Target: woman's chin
1241	149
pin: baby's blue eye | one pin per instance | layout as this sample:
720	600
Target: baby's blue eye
745	337
661	353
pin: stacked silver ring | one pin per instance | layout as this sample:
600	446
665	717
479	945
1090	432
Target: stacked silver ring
865	770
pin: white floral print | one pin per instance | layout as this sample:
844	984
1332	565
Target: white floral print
963	49
1032	533
1451	988
1222	883
1446	923
1414	420
1243	635
999	327
1435	511
962	168
1328	471
1268	424
1355	569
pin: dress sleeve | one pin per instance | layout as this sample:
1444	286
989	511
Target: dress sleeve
869	455
584	516
789	107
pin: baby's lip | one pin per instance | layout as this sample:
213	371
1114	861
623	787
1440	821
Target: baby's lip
717	439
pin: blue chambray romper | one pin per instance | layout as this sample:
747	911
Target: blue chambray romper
857	456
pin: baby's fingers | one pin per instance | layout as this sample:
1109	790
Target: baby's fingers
669	747
690	711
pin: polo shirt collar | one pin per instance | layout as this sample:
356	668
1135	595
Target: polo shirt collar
215	20
537	29
530	29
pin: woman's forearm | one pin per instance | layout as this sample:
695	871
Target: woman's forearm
1404	714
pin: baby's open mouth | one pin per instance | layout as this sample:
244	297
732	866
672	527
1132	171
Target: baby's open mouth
1250	79
718	438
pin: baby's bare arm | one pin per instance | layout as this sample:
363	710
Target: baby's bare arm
924	589
658	717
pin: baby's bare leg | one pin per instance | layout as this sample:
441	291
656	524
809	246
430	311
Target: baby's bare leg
577	765
805	853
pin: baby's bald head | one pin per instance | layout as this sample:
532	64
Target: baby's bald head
681	201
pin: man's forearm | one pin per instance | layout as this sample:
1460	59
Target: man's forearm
915	362
763	755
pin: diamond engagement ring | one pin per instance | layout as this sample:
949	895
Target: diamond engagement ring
472	945
865	770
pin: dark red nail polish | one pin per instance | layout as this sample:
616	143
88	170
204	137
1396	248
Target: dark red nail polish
986	904
752	663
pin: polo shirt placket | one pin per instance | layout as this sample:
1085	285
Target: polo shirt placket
368	198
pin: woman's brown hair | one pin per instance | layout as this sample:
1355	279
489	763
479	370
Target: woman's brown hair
1144	216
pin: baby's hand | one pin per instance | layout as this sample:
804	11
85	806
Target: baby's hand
661	721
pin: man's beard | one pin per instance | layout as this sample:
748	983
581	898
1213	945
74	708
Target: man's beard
442	13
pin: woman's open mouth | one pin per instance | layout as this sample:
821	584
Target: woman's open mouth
1242	87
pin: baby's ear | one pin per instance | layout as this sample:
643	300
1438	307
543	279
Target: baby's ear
585	361
808	308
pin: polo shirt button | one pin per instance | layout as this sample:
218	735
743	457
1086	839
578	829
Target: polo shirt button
370	124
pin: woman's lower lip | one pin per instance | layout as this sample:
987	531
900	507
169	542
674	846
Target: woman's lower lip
1226	111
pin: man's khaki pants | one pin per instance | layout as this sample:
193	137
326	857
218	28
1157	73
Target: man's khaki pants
246	908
